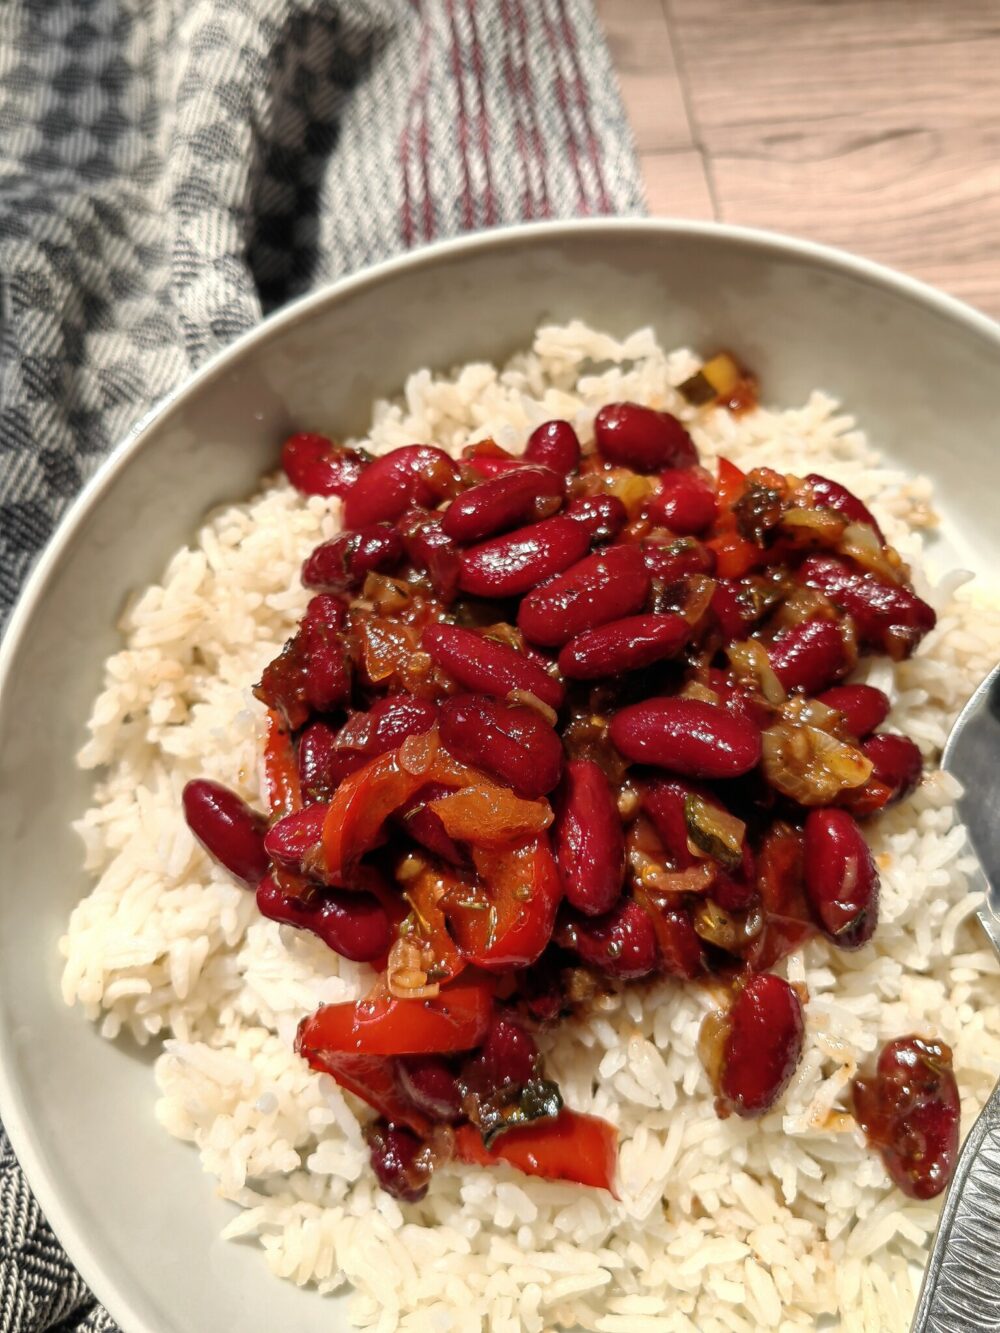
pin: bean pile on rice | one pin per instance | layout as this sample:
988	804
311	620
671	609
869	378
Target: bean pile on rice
722	1225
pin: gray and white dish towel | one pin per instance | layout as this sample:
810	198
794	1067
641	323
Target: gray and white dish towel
171	170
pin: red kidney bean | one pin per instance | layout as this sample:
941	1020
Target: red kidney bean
686	736
910	1111
678	942
841	880
763	1045
364	736
863	707
502	502
738	697
663	800
643	439
888	616
733	610
318	762
428	1082
327	665
282	684
554	444
588	841
684	503
289	841
417	474
429	547
494	465
808	656
603	516
620	944
326	611
624	645
424	825
606	585
317	466
510	565
508	1057
677	559
311	668
354	925
342	564
897	762
515	745
831	495
485	666
395	1154
227	828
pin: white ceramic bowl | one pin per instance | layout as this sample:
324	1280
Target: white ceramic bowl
920	371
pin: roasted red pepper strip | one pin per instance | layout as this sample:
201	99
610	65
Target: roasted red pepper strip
281	774
576	1147
729	488
373	1079
514	918
455	1020
734	555
362	804
425	893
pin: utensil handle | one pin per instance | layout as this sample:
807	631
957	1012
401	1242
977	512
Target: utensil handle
961	1288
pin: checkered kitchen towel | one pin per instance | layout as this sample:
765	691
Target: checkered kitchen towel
170	169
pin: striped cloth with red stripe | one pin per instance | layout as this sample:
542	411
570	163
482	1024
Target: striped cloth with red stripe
172	170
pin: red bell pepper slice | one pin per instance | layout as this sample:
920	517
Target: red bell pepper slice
360	807
373	1079
512	921
366	798
454	1020
729	489
580	1148
734	555
425	893
281	773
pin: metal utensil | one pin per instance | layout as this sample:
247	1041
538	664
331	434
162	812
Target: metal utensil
961	1288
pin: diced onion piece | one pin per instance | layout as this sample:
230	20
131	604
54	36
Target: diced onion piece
712	1037
697	598
860	542
750	661
803	604
715	832
806	712
417	753
727	930
386	595
719	377
652	875
811	766
723	373
529	700
406	971
821	527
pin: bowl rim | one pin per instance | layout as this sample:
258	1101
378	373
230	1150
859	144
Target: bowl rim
29	1150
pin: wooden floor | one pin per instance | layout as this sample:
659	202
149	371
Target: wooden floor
870	124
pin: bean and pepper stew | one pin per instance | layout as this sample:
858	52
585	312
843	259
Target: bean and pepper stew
557	723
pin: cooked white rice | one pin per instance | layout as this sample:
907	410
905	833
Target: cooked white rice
723	1225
